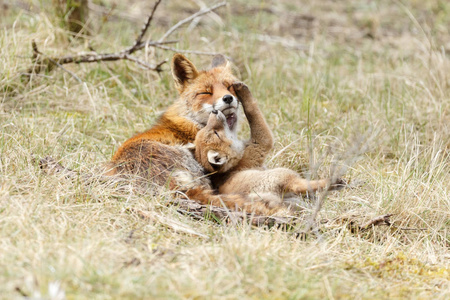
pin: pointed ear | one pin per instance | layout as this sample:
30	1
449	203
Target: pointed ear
220	61
215	159
189	146
183	71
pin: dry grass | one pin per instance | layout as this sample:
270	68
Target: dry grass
326	73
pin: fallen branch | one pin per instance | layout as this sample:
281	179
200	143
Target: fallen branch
377	221
48	63
351	222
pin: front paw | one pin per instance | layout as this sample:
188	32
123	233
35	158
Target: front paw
242	91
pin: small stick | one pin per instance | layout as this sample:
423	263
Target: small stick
144	29
144	64
190	18
188	51
35	56
380	220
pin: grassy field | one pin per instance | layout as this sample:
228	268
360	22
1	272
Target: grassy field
365	82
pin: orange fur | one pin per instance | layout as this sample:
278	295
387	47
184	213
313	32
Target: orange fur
179	124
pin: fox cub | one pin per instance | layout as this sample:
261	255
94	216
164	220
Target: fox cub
238	167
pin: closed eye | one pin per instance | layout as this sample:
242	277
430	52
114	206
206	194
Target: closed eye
215	132
204	93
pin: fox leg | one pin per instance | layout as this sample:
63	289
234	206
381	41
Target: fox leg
289	182
261	138
299	185
258	204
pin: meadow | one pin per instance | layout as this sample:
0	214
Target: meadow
359	85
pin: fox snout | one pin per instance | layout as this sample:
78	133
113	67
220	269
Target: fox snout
225	102
228	99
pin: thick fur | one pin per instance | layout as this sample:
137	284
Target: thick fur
242	172
157	154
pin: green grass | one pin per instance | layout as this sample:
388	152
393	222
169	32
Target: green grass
371	71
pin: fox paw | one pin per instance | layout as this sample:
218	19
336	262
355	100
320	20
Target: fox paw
242	91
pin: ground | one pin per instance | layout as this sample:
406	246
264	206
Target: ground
363	83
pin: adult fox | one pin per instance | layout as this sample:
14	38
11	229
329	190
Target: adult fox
158	154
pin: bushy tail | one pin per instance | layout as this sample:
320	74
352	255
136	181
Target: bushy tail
251	204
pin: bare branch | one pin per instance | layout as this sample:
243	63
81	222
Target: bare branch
36	54
48	63
91	58
146	65
380	220
188	51
144	29
153	44
190	18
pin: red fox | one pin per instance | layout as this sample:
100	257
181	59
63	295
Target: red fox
238	169
158	154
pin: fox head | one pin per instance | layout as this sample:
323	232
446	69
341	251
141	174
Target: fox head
217	148
201	92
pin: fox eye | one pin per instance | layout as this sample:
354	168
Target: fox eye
215	132
204	93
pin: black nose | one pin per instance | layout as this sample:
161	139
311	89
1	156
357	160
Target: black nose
227	99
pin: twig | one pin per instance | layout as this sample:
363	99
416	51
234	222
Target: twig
144	29
190	18
36	52
380	220
157	67
352	223
188	51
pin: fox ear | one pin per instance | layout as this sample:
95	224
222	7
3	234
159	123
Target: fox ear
215	159
183	71
189	146
220	61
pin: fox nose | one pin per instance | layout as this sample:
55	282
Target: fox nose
227	99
